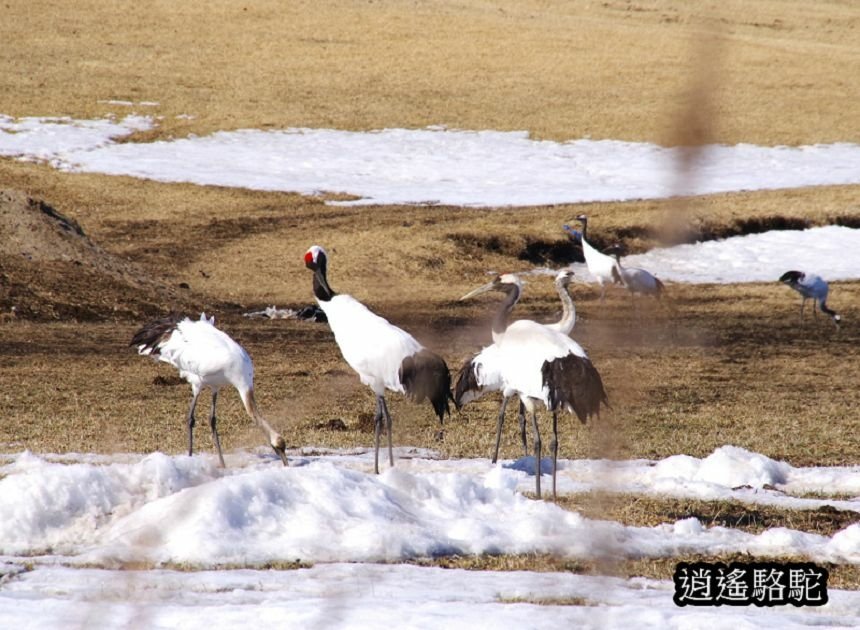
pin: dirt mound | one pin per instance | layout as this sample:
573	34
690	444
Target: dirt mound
50	269
35	230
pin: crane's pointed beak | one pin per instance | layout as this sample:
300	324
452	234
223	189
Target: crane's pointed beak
280	447
483	289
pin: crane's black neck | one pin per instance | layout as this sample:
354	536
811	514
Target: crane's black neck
322	290
500	321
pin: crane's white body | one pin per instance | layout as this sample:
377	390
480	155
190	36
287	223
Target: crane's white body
486	365
522	350
811	286
371	345
207	357
599	264
603	267
639	281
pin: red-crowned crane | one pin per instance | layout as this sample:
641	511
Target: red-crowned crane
568	309
810	286
480	373
541	365
601	266
206	357
637	280
383	355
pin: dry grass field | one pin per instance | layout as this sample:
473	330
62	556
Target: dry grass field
723	365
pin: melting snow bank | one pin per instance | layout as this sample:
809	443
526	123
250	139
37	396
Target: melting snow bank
831	252
374	596
54	139
434	165
185	510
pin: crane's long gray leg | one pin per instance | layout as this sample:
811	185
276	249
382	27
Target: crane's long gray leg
190	421
537	453
388	424
802	304
522	418
214	430
553	446
499	426
377	426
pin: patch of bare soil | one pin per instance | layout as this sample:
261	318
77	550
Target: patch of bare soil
50	269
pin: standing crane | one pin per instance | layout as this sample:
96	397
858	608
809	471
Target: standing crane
601	266
635	279
541	365
206	357
568	309
480	373
383	355
810	286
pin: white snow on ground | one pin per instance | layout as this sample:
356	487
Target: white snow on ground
434	165
374	596
52	139
67	520
833	252
331	508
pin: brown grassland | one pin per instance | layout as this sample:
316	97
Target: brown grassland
713	365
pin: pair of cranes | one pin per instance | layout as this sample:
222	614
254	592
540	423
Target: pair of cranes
540	364
609	270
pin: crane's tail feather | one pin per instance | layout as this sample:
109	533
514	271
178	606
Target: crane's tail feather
466	387
574	384
425	375
150	337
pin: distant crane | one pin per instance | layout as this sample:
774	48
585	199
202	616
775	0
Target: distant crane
601	266
541	365
480	373
810	286
383	355
206	357
637	280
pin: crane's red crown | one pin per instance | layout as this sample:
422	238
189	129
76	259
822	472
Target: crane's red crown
313	254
